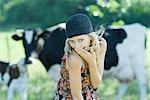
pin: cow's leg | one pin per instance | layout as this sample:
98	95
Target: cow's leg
24	89
125	75
10	91
0	78
142	82
24	95
138	66
54	72
143	91
122	89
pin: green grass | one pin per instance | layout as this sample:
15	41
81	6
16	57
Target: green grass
42	87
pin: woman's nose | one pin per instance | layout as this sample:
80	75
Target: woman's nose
77	45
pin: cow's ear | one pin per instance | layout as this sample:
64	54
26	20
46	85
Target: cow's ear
39	31
121	35
16	37
45	34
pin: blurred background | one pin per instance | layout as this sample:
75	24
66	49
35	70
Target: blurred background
45	13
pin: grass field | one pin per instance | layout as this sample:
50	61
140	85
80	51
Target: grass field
42	87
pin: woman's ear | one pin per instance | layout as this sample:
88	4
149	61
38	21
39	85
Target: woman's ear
93	40
90	37
68	48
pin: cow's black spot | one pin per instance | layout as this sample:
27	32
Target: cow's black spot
3	67
14	73
113	37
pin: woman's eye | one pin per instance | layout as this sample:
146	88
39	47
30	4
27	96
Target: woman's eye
71	41
80	40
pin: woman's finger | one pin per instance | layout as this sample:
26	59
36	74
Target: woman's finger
92	51
84	54
103	41
81	53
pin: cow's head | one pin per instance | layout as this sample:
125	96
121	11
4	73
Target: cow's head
34	40
31	40
113	37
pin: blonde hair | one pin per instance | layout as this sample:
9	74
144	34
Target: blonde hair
95	44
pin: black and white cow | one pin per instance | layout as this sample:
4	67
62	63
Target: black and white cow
15	77
124	57
47	47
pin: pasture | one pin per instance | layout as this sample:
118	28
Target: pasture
42	87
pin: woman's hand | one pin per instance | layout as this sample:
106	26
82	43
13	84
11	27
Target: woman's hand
89	57
74	61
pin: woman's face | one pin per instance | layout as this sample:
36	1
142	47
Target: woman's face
80	42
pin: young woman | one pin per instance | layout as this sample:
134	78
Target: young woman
83	61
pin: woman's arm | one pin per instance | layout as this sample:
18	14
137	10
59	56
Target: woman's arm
96	68
97	71
95	76
90	58
75	76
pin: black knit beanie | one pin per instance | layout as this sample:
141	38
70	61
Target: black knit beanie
78	24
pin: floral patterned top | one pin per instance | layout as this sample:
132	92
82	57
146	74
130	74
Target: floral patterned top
63	88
